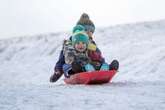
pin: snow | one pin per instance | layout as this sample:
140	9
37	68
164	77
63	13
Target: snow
28	62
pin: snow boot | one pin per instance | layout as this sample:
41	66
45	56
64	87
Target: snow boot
114	65
56	76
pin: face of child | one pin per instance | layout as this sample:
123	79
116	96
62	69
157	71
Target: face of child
80	46
89	33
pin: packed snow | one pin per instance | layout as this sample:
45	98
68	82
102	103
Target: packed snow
28	62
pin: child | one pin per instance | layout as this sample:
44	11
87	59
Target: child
75	53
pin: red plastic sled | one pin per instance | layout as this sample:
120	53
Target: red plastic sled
94	77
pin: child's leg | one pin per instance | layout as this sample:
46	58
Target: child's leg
67	68
89	67
104	66
114	65
76	67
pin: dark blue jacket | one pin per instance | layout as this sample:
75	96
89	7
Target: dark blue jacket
60	62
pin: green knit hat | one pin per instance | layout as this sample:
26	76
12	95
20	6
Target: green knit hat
78	28
86	22
80	37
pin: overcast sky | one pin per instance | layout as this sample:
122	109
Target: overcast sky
28	17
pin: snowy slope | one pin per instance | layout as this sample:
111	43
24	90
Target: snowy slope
28	62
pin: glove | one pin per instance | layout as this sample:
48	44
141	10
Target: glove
69	53
67	68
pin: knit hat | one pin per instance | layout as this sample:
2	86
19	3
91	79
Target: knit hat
86	22
78	28
80	37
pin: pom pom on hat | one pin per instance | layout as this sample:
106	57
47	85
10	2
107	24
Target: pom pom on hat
78	28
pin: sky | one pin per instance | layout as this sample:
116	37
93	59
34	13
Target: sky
29	17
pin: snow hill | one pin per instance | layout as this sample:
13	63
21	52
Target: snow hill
28	62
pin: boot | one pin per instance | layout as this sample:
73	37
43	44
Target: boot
114	65
56	76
